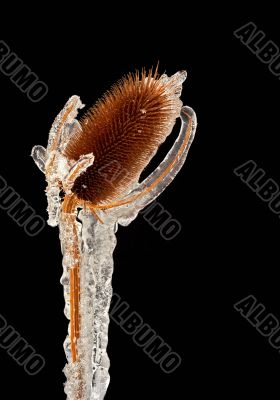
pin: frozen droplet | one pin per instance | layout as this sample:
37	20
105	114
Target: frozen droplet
38	154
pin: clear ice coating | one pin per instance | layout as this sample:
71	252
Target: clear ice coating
88	377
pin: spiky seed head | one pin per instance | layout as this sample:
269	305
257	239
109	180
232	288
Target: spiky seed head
124	130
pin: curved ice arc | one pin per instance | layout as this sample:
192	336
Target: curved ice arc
173	161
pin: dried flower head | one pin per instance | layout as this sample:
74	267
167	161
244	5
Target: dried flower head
123	131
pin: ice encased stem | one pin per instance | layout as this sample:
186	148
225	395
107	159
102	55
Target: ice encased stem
88	377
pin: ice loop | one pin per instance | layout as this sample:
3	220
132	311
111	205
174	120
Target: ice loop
92	168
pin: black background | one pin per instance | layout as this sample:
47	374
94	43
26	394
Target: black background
227	249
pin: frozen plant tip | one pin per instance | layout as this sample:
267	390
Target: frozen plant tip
92	169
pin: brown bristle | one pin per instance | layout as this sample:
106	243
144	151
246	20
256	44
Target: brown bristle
123	130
